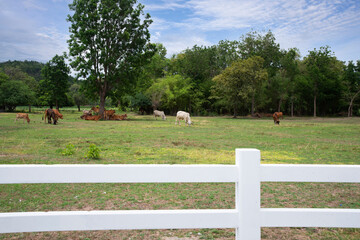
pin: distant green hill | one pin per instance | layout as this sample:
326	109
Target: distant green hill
32	68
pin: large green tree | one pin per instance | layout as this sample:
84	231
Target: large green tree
352	84
55	85
324	72
109	40
282	85
262	45
172	92
200	64
239	83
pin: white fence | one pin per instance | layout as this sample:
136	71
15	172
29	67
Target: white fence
247	217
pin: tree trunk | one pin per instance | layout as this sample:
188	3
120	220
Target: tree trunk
190	106
350	109
235	113
78	108
102	103
252	105
29	108
279	106
57	105
315	105
292	108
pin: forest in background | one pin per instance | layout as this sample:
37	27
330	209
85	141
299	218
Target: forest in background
248	76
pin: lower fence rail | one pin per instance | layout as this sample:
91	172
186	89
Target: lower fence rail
310	217
117	220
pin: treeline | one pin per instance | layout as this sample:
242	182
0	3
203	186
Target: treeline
248	76
252	75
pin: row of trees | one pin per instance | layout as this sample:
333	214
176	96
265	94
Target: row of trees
115	63
251	75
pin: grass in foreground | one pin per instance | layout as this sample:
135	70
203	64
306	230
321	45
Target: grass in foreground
212	140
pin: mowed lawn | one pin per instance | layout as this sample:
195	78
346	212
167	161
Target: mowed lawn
211	140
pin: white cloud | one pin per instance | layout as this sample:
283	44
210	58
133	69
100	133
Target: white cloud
31	4
295	23
165	5
159	24
176	43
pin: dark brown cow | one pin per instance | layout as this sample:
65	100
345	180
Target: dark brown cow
22	116
50	114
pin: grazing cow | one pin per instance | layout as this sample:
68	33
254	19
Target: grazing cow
159	114
23	116
276	118
95	117
58	113
280	114
181	115
50	114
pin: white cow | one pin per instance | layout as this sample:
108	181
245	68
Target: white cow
159	114
87	112
181	115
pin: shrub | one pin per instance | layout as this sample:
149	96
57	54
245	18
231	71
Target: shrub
93	153
69	150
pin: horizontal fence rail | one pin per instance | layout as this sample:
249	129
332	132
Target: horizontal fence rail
309	173
310	217
247	217
117	220
117	173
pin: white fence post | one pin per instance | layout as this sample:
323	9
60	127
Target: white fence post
248	194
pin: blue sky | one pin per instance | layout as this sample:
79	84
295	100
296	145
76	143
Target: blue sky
37	29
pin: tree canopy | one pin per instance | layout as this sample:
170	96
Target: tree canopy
240	82
54	85
109	41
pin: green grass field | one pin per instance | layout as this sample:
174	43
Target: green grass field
211	140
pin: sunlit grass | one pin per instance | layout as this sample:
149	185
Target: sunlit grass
211	140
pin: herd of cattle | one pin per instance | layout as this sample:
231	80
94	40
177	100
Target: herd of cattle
52	115
107	115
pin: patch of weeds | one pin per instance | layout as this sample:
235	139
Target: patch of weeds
93	153
69	150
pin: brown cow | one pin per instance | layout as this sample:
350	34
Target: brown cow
118	117
108	114
50	114
23	116
95	109
96	117
58	113
55	111
276	118
280	115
